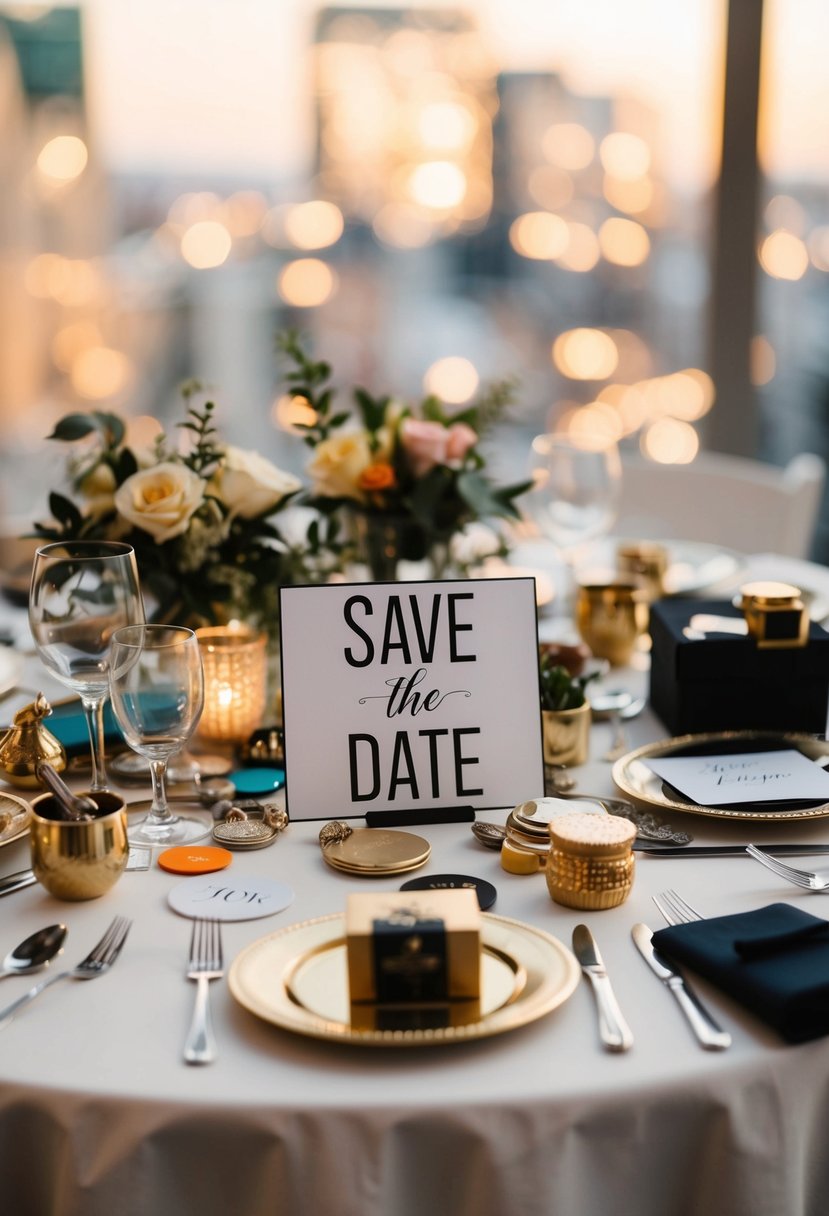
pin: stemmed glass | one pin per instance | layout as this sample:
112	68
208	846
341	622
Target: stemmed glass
157	690
575	495
81	593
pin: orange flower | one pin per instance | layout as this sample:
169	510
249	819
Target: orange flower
377	476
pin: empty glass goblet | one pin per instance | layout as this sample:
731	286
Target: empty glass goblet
157	690
81	593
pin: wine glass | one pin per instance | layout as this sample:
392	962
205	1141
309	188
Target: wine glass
81	593
574	497
157	689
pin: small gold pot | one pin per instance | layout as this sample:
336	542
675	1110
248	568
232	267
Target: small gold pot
566	735
79	860
611	616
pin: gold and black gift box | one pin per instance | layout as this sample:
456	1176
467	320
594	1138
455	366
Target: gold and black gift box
729	682
413	948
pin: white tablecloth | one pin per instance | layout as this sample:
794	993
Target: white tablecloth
99	1114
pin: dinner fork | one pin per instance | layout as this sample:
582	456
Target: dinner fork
675	909
808	879
204	964
100	959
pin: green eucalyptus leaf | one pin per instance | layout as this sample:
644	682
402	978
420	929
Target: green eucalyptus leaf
74	426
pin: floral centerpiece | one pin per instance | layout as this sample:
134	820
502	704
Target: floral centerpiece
407	479
200	520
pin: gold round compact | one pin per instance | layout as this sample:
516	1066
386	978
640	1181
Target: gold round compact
241	831
372	852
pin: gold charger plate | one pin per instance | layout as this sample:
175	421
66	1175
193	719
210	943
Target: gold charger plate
21	817
379	851
297	979
633	777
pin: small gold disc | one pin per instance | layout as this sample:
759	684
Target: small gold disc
375	851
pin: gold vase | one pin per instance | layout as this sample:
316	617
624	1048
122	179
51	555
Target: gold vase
566	735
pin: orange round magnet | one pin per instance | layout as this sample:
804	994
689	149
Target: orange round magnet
186	860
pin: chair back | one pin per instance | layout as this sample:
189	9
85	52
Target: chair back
726	500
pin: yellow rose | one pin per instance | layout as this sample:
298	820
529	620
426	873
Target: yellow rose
160	500
338	463
249	485
98	488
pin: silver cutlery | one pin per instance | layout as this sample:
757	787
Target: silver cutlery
204	964
709	1034
100	959
728	850
614	1031
35	952
16	882
809	880
618	717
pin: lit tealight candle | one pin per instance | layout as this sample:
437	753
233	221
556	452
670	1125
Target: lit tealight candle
235	672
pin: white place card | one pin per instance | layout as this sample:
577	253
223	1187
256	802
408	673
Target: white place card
224	897
776	776
410	697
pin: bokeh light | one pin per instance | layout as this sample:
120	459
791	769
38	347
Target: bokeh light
625	156
784	256
539	235
585	354
63	159
100	372
437	184
402	226
306	283
446	126
582	252
624	242
71	340
206	245
633	196
314	225
568	145
670	441
453	379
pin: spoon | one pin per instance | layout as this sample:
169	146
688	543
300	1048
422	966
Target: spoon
79	809
35	952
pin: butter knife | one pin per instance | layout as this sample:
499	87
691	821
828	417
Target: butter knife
16	882
726	850
711	1036
614	1031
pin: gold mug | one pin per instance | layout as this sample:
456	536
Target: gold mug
77	860
646	561
610	617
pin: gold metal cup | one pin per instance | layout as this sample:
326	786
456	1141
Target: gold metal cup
610	617
645	560
77	861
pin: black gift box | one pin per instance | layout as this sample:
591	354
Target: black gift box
724	682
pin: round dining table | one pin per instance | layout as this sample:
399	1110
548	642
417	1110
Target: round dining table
100	1114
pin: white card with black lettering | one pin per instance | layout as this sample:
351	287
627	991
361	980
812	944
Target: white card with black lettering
221	896
785	775
410	697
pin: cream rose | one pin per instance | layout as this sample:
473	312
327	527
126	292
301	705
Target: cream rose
160	500
337	464
249	485
98	489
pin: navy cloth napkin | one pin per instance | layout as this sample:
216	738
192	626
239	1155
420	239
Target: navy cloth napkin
774	961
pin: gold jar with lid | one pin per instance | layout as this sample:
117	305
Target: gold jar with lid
775	614
590	864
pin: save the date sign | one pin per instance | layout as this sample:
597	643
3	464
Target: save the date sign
410	696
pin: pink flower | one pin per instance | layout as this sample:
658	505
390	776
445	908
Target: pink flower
427	444
459	439
424	444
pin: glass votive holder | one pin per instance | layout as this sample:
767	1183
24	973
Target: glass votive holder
235	677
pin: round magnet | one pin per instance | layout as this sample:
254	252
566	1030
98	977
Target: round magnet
257	781
184	859
449	882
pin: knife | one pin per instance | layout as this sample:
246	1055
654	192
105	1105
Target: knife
614	1031
726	850
16	882
711	1036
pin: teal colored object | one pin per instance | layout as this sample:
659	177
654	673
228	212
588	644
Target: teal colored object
257	781
68	724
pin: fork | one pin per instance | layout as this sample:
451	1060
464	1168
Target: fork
204	964
100	959
675	909
808	879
